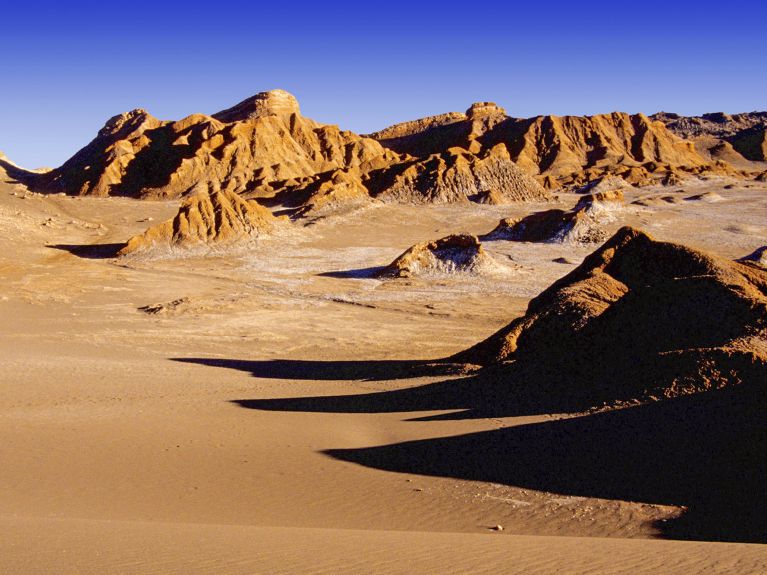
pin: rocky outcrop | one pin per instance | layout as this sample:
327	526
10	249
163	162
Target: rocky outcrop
455	254
718	124
721	134
327	193
205	220
436	134
638	320
568	150
758	257
576	150
752	143
273	103
264	148
606	184
456	176
585	223
262	140
389	136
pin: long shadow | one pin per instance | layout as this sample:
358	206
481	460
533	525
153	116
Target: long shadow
328	370
706	452
90	251
359	273
19	175
469	394
465	398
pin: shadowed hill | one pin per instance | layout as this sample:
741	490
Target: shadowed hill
723	135
456	175
639	319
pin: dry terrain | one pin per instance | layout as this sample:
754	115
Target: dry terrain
217	413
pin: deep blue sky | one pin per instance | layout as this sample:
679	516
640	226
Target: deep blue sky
65	69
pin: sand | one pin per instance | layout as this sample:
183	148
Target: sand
144	443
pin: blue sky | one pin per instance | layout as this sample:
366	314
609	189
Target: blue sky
66	69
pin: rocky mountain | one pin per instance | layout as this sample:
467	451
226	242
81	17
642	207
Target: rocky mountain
639	319
568	150
456	175
260	140
265	148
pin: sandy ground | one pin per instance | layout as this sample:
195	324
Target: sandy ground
139	442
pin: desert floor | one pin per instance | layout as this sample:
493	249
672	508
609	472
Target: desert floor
212	434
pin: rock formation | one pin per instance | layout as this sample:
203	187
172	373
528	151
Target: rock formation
758	257
568	150
206	219
578	149
264	148
456	176
723	135
639	319
718	124
605	184
326	193
273	103
261	140
585	223
455	254
436	134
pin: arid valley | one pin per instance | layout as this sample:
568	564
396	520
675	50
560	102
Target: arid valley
248	342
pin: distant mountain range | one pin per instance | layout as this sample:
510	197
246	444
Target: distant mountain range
263	148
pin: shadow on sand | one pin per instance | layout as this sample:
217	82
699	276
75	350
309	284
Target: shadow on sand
360	273
705	452
90	251
18	175
468	392
329	370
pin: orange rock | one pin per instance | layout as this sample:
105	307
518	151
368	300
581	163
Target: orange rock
585	223
458	253
261	140
205	219
455	176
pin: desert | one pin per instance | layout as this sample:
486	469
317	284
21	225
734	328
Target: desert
207	371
